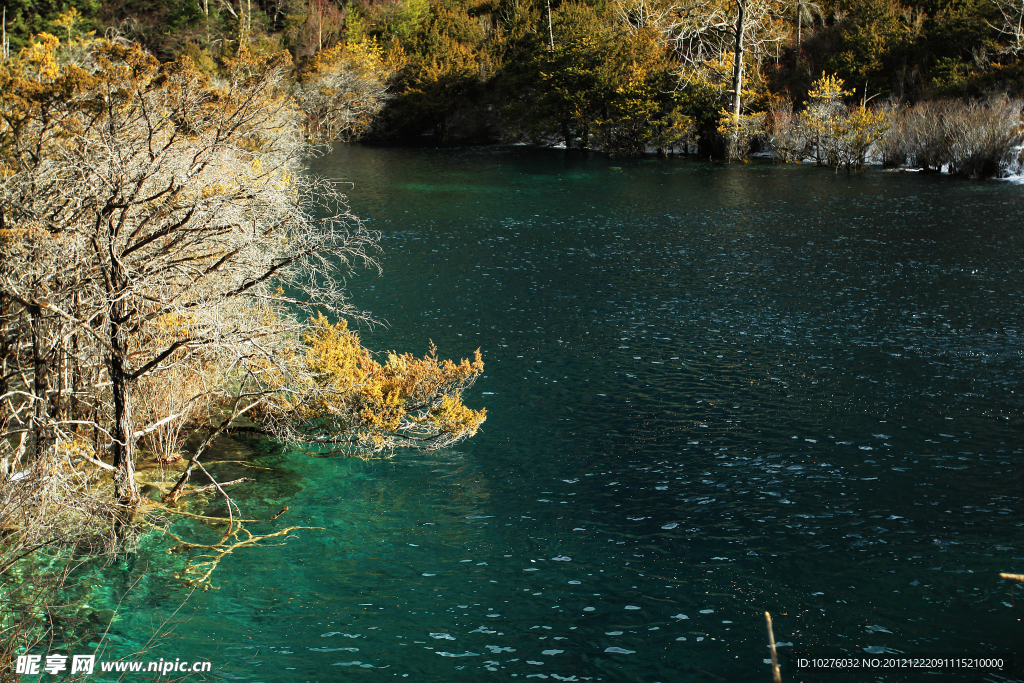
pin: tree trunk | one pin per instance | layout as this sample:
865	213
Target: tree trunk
737	61
551	30
125	490
798	27
733	148
40	383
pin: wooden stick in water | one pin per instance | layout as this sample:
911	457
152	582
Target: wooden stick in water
775	657
1012	577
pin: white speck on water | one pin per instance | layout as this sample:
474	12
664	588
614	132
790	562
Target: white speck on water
619	651
670	525
680	616
498	649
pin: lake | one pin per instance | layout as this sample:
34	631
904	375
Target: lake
713	391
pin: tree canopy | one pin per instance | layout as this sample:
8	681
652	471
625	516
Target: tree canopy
622	76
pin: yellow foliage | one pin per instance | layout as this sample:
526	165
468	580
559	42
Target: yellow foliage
75	447
406	401
40	57
365	55
828	88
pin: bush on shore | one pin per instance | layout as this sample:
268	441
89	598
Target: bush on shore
973	138
969	138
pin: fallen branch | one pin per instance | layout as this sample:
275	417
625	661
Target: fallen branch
213	487
164	508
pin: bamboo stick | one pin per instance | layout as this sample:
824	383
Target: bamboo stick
775	657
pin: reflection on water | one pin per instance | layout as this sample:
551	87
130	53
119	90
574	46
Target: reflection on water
713	391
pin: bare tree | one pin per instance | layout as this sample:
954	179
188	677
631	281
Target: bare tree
977	139
713	39
1012	27
159	227
159	210
710	36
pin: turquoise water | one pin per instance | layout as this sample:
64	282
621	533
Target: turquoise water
713	391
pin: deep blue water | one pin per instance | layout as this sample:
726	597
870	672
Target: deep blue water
713	390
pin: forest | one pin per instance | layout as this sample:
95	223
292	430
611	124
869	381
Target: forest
923	83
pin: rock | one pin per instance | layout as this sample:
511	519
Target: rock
152	492
104	616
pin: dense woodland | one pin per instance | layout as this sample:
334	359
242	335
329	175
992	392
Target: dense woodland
622	76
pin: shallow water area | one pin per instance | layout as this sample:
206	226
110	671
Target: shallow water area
713	390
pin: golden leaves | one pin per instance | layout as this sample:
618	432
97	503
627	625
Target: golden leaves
405	401
827	89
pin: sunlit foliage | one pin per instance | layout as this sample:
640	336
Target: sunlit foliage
353	401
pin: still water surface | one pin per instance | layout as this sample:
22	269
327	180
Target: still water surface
712	391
